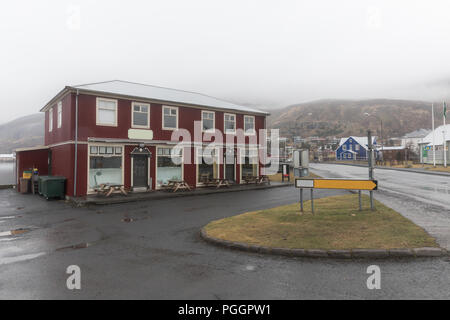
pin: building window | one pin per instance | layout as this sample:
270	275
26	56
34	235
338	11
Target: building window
207	164
59	114
230	123
141	115
344	147
105	166
170	118
357	147
50	120
106	112
249	124
208	119
168	165
249	162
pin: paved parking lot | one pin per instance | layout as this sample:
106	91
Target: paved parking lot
158	254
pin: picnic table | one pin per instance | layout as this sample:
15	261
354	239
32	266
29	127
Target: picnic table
175	185
216	182
256	179
108	189
219	182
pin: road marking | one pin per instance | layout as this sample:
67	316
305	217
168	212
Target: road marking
6	233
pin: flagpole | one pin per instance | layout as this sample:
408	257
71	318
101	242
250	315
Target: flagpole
444	143
432	123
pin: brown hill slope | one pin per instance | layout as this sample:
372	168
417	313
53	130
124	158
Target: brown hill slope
347	117
23	132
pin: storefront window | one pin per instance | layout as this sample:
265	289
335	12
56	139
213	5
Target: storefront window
249	162
169	165
208	166
105	166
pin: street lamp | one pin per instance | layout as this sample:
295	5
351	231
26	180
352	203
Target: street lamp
381	127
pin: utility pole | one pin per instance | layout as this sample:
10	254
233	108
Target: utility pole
370	163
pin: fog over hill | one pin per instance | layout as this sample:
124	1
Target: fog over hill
348	117
23	132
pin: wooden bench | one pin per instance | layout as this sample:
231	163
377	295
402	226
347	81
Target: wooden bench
263	179
109	189
175	185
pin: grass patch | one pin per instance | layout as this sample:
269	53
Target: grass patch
337	224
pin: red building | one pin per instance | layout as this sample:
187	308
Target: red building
128	134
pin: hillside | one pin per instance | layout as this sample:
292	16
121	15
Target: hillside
347	117
23	132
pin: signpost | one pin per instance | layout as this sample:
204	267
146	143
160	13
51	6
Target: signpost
370	163
342	184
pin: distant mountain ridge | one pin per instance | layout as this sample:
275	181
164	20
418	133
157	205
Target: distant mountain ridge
317	118
342	118
23	132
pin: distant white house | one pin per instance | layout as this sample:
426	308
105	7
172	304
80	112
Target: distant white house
426	145
413	139
7	157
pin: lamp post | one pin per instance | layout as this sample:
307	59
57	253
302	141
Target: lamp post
381	128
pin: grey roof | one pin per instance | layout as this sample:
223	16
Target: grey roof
138	90
421	133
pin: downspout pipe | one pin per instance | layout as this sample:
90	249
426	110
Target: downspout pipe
75	170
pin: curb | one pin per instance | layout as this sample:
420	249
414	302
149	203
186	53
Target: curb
426	252
167	195
435	173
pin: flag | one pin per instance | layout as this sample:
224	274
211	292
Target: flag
445	110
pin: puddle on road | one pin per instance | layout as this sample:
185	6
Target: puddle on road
82	245
24	257
19	231
13	232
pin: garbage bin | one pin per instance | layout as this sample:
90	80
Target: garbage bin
52	187
24	185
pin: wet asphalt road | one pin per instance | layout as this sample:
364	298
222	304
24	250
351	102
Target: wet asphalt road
161	256
422	198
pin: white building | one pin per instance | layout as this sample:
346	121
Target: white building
426	145
413	139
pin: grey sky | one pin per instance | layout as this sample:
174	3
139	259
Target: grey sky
270	53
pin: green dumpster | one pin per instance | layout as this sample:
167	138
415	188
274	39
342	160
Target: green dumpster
52	187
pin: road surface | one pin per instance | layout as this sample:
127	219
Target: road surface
159	255
423	198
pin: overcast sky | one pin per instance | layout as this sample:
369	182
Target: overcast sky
269	53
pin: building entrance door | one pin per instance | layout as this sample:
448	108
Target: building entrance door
140	171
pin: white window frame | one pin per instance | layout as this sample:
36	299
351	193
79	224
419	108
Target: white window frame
213	119
216	164
156	165
50	120
162	118
344	147
249	133
98	145
243	155
59	114
224	126
132	115
116	110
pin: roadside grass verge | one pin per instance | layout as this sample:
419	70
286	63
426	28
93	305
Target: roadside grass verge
336	224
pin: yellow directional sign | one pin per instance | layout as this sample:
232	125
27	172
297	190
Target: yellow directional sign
337	184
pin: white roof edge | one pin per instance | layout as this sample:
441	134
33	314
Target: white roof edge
31	148
129	89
